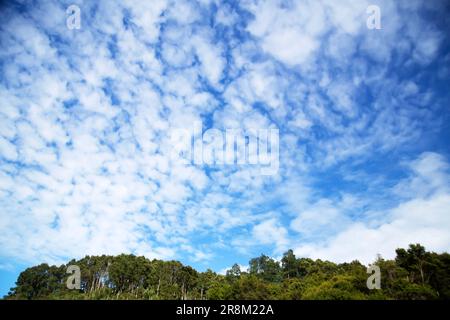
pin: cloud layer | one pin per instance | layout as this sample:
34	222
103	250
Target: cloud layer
86	116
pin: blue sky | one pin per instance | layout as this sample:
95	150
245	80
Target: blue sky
87	161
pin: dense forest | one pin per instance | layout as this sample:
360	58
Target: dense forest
414	274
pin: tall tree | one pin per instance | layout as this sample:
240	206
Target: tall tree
234	273
289	265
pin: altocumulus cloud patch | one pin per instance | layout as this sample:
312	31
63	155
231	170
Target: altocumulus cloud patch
87	114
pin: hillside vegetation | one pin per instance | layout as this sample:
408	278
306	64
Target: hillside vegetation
414	274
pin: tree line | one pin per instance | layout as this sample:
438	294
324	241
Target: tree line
414	274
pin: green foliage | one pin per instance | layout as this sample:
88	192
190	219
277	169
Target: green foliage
265	268
250	287
234	273
414	274
289	265
39	282
341	287
219	289
293	289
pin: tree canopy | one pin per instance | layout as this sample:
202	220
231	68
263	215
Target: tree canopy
413	274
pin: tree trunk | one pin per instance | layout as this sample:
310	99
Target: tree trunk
422	275
157	289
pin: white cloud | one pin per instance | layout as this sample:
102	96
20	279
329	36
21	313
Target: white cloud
85	117
271	232
321	216
290	34
210	57
423	218
424	221
429	176
7	149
